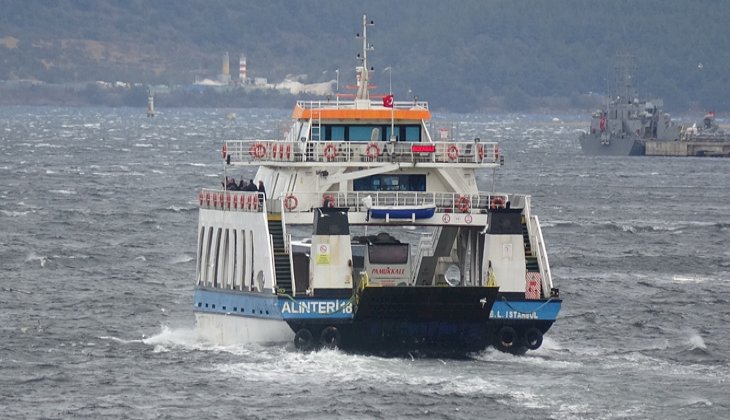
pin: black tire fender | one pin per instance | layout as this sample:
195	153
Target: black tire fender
330	337
533	338
304	340
506	337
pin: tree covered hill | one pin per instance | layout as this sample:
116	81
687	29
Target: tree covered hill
461	55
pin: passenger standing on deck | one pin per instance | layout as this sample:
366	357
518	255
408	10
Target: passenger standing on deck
262	191
251	186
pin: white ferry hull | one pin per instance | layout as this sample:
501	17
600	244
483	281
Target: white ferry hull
226	330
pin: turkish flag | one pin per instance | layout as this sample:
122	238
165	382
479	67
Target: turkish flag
388	101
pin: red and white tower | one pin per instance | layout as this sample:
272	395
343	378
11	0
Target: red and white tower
242	72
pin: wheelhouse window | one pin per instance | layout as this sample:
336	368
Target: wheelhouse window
391	182
404	132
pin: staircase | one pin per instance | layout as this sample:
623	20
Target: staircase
427	257
530	259
282	260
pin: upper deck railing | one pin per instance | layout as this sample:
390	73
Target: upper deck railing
466	153
354	104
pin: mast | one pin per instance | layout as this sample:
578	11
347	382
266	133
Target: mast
362	89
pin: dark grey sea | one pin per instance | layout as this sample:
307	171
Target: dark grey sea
98	212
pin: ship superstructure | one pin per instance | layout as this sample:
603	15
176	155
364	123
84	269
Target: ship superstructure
353	173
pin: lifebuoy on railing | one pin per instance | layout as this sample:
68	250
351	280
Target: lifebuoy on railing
228	200
207	199
463	203
274	149
496	153
291	202
373	150
224	151
215	200
480	151
328	201
255	201
288	151
249	199
200	197
258	150
497	202
330	152
453	152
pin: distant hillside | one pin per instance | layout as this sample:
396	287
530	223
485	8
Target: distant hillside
465	55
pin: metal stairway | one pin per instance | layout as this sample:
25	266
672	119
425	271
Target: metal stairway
282	259
531	262
427	259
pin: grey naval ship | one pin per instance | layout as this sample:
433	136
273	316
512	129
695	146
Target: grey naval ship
625	125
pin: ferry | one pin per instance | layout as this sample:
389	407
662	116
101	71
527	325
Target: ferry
353	237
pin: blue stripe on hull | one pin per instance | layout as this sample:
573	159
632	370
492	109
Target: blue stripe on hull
525	310
270	306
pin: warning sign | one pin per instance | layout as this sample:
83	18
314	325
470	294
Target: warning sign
532	286
323	254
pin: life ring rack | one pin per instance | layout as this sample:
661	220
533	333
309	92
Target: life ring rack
330	152
257	150
452	152
497	202
290	202
372	151
463	203
328	200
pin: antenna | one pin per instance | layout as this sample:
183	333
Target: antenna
362	91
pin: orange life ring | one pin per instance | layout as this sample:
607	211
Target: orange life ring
463	203
224	151
330	152
453	152
373	150
259	150
497	202
328	201
291	202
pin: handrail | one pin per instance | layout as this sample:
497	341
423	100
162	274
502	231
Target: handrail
425	243
444	202
362	201
542	256
374	104
363	152
228	200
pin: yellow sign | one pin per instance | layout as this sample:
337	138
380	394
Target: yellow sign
323	254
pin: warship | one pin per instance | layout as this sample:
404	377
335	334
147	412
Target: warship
626	123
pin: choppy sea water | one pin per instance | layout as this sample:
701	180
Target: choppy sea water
98	213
